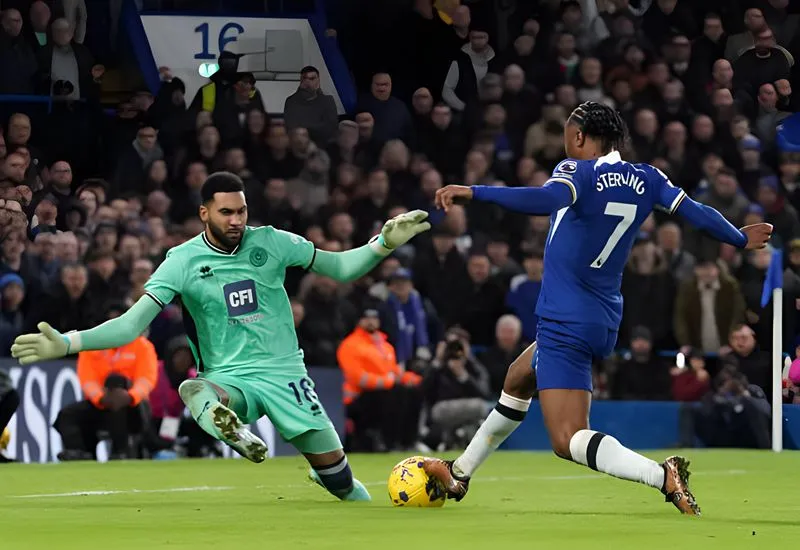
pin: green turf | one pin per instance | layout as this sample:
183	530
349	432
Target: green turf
519	500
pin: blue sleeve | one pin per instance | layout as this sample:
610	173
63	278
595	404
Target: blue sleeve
526	200
668	196
708	219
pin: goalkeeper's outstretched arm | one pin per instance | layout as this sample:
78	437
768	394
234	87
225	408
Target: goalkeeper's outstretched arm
51	344
353	264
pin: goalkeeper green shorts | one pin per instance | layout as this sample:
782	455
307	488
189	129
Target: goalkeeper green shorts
288	399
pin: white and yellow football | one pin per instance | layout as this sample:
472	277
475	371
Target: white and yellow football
410	486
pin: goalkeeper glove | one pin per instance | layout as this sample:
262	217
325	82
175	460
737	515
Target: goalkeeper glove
401	229
48	344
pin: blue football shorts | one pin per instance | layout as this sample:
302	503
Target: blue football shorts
564	353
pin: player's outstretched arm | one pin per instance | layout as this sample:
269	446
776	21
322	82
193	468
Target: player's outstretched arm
526	200
51	344
708	219
352	264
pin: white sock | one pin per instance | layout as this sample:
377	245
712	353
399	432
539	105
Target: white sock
604	453
504	419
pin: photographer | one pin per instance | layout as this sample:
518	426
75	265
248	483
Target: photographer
456	389
735	414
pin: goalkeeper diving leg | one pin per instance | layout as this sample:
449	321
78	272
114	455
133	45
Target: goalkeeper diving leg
213	407
329	466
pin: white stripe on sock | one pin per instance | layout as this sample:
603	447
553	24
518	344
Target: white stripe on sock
331	470
514	402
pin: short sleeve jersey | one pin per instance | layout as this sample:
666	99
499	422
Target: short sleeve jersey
236	310
590	240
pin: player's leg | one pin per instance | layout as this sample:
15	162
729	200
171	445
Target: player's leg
292	405
329	466
564	376
508	414
214	405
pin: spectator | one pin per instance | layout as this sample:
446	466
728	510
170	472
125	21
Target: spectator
680	262
67	67
40	17
382	400
764	63
409	309
735	414
507	347
392	120
642	375
467	70
456	389
745	355
707	308
754	23
9	401
328	319
650	290
168	421
311	109
482	303
523	294
692	382
75	12
68	306
17	60
116	384
12	289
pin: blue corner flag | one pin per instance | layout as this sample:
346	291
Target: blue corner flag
774	277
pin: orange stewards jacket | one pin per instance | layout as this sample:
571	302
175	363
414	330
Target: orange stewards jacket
368	362
136	361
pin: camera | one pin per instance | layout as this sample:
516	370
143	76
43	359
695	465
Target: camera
453	350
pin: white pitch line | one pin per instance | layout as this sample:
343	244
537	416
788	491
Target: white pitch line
126	492
368	484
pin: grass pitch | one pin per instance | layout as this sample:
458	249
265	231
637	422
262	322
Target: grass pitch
526	500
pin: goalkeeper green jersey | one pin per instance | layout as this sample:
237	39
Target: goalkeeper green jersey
235	308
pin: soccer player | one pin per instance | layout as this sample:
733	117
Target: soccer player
596	202
229	280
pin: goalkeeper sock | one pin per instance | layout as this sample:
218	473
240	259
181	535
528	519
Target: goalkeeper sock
507	415
198	397
337	478
604	453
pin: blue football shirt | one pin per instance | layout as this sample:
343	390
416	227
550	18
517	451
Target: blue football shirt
589	241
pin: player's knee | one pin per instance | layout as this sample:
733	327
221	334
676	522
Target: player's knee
560	441
190	388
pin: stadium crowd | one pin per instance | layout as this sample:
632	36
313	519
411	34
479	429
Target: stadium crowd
470	92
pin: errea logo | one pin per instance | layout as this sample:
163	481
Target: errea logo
240	298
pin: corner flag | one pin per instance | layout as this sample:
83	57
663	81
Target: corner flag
774	277
773	288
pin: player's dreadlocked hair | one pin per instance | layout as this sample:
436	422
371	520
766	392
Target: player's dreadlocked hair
601	122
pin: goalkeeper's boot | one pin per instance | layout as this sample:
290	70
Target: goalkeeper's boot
442	470
676	485
221	422
357	493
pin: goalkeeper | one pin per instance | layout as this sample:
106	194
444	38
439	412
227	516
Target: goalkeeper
229	280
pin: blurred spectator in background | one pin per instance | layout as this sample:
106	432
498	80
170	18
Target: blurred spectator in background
409	309
456	391
508	346
12	291
311	109
382	401
116	386
523	293
707	308
392	119
9	401
690	382
642	375
735	413
751	362
172	426
17	59
467	70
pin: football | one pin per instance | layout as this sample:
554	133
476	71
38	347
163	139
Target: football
410	486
